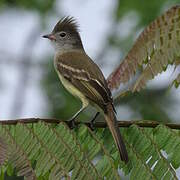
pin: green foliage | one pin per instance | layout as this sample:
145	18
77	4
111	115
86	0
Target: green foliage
46	151
48	148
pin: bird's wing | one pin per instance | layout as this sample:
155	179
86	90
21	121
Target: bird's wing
86	80
156	47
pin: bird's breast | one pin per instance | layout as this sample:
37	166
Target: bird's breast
72	89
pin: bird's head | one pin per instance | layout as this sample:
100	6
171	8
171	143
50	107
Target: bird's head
65	35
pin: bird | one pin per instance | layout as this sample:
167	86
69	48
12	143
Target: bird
82	77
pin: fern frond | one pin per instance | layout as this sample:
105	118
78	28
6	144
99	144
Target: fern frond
93	146
17	156
41	152
157	47
3	151
167	168
83	167
106	161
164	135
53	151
147	151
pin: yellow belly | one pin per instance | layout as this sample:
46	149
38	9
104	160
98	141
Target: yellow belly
73	90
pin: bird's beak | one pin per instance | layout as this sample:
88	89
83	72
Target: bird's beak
50	37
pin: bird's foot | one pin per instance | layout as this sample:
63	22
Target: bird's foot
91	125
71	124
92	122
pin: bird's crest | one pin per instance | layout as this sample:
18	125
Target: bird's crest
66	24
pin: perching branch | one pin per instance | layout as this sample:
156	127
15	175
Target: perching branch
140	123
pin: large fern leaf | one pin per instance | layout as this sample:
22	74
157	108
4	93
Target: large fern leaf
53	151
16	155
157	47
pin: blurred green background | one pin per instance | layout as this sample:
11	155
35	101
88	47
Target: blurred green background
29	86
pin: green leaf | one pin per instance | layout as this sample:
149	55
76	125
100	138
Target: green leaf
45	151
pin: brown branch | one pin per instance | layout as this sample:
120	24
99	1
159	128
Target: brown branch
140	123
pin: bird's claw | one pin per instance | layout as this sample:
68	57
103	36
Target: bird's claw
91	125
71	124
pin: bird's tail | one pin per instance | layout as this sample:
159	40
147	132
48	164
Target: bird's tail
113	126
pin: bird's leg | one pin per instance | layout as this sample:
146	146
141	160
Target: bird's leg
71	122
93	120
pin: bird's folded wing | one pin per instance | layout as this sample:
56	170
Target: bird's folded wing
83	81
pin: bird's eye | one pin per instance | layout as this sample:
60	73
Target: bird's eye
62	34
